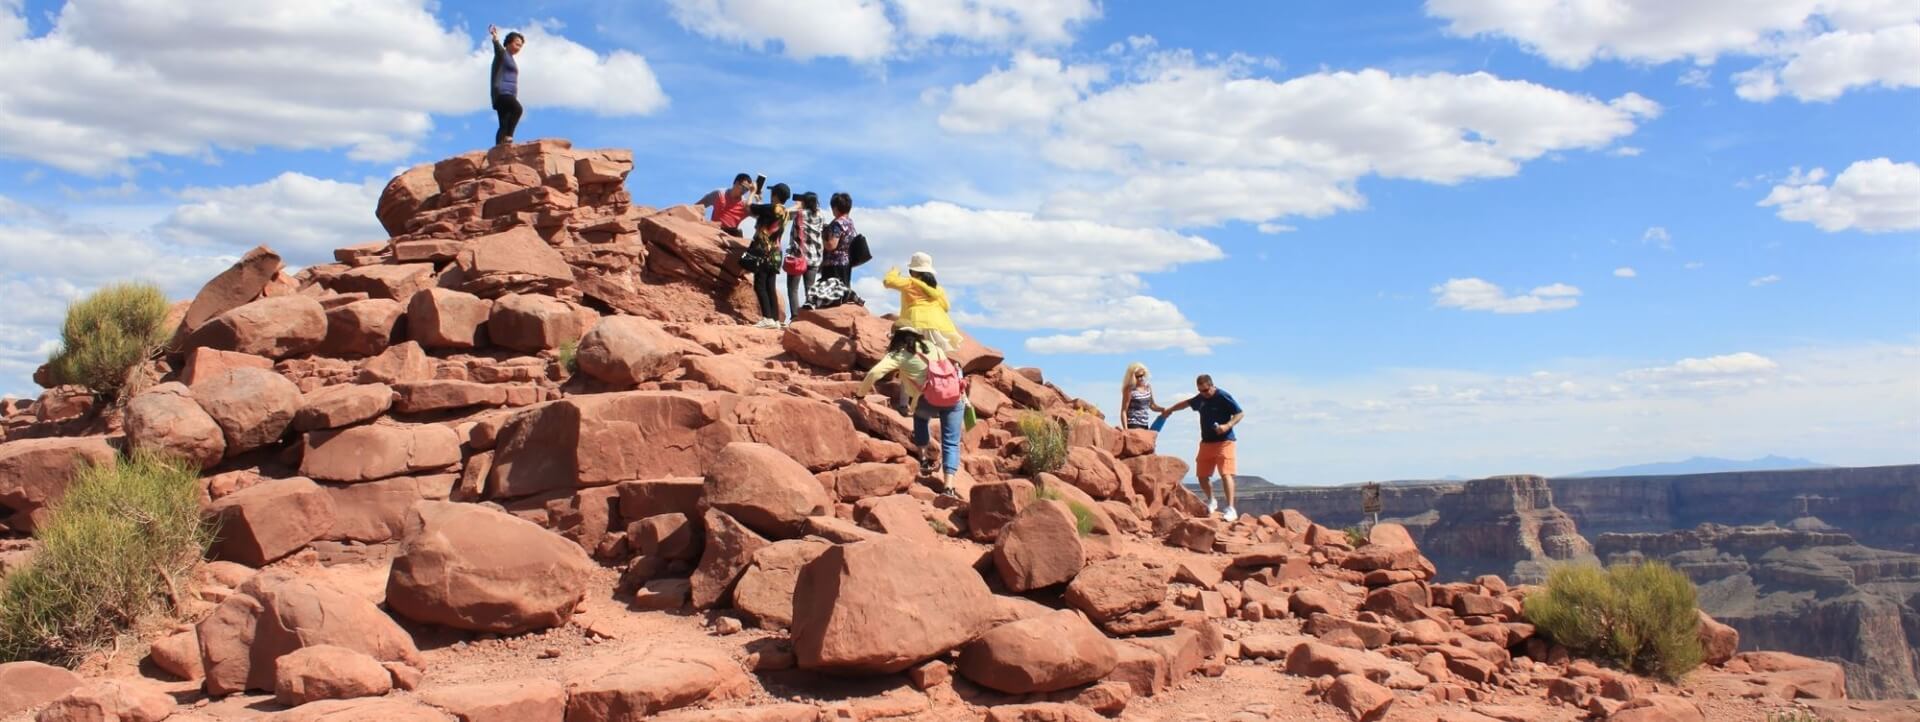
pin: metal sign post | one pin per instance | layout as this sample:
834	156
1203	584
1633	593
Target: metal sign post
1370	502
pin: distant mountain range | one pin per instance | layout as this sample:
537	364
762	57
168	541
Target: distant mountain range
1705	465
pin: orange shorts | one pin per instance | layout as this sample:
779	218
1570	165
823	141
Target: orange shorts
1214	456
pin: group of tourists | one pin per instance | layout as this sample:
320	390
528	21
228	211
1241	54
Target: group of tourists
817	251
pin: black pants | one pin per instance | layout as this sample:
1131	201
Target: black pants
765	285
508	108
844	273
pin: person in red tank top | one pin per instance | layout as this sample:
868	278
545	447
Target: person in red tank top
730	204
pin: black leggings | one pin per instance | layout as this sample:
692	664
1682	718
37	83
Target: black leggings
844	273
765	284
508	108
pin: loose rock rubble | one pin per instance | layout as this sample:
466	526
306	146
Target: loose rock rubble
702	522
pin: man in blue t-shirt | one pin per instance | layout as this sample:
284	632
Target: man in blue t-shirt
1219	413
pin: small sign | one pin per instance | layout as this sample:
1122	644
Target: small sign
1370	498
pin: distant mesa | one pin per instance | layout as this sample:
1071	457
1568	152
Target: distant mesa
1704	465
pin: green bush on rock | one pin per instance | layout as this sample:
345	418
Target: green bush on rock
110	555
1046	443
106	334
1640	617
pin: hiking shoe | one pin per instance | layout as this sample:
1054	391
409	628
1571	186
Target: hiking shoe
766	323
1213	507
926	467
1230	515
950	492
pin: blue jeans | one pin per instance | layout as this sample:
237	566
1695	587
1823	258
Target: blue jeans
953	422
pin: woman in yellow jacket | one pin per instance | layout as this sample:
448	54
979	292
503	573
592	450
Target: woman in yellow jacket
923	305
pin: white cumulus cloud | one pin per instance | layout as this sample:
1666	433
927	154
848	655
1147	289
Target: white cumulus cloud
1875	196
113	81
1811	49
1624	272
1766	280
301	217
1473	294
1185	141
875	30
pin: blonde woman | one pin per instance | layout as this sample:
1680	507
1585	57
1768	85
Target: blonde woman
1136	399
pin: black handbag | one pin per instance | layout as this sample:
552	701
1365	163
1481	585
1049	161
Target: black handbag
858	254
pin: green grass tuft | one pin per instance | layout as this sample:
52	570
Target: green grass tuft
569	356
106	334
1046	442
110	556
1640	617
1043	492
1356	537
1082	518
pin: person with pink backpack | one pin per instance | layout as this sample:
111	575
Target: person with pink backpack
935	389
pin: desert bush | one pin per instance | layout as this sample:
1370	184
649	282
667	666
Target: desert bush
569	356
1356	537
1795	715
1046	443
1640	617
108	333
110	555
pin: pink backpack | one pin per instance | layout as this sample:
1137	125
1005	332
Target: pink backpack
944	387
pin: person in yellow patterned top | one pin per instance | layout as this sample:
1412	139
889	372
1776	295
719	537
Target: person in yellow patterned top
923	305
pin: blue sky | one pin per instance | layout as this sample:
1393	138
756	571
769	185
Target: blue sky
1457	237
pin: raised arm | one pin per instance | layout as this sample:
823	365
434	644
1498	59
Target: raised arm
1177	407
895	281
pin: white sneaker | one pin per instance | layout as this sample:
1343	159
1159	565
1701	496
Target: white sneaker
1212	506
1230	515
766	323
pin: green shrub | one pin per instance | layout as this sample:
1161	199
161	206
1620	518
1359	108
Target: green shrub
1356	537
106	334
569	356
941	527
1082	518
1046	442
110	554
1043	492
1640	617
1795	715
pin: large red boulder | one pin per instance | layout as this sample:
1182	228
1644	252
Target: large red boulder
537	323
365	453
1358	696
1043	654
239	285
1391	547
883	605
274	614
253	406
324	671
25	685
264	522
694	249
516	260
400	363
765	489
366	709
394	282
1041	548
414	397
608	438
34	473
994	504
204	363
841	338
517	700
729	548
1096	472
110	700
1107	589
361	328
375	512
765	591
166	420
275	327
815	433
861	481
1658	708
615	689
332	407
474	568
1717	640
628	350
447	319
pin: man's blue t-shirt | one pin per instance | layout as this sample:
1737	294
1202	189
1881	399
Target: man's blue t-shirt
1214	411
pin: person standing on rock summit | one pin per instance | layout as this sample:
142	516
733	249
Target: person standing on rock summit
729	205
1219	413
506	83
803	253
1136	399
932	385
764	253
